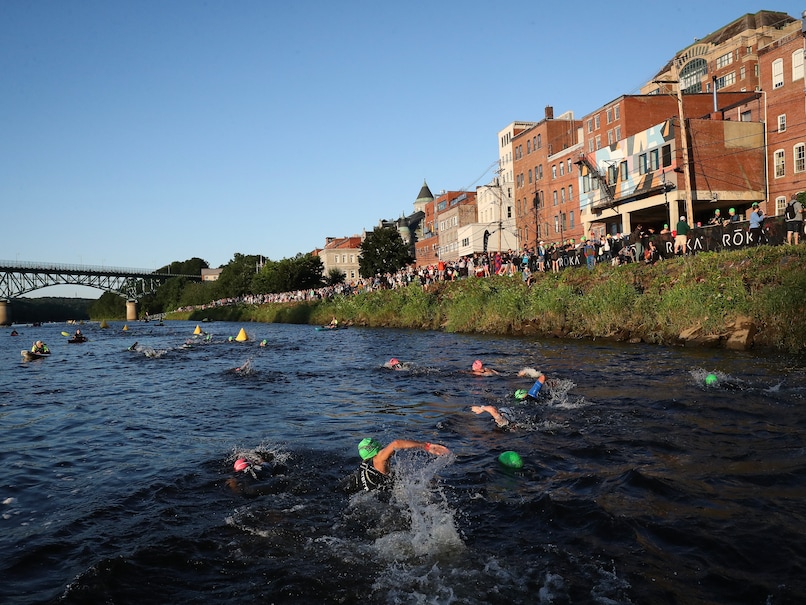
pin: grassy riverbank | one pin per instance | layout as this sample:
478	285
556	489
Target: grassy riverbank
708	295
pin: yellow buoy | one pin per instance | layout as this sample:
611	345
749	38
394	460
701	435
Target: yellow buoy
197	330
242	336
104	324
125	328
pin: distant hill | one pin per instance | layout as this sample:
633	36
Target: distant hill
29	310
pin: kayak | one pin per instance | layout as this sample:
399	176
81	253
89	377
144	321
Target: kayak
329	328
30	355
79	339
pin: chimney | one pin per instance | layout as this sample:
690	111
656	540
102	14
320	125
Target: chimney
549	112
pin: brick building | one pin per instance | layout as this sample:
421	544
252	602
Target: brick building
781	67
638	175
546	180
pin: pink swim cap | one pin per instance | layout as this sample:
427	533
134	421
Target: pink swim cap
477	365
241	464
394	361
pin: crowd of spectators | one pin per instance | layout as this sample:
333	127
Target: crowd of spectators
639	246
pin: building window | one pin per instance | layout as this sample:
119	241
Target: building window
540	171
539	141
571	216
780	163
596	121
746	116
609	115
623	167
653	160
778	73
726	80
609	137
570	192
692	74
800	158
562	169
528	147
570	165
797	64
530	175
612	174
724	60
618	133
554	171
616	112
742	72
555	197
590	125
780	205
556	224
642	164
782	123
598	142
666	155
562	196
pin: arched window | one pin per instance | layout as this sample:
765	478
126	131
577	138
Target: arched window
691	75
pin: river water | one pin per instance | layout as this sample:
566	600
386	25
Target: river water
640	484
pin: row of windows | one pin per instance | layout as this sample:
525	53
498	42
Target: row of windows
650	161
798	157
778	69
559	169
343	259
611	115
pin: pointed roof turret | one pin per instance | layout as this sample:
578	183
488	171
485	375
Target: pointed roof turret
425	195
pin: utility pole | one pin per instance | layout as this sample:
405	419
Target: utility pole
684	145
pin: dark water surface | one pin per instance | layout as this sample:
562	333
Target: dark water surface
640	484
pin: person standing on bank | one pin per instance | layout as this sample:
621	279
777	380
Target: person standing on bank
794	220
374	471
681	239
756	224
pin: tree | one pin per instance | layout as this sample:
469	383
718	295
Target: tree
382	251
298	273
236	276
335	276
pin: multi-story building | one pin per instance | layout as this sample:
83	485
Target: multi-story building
546	180
495	229
453	210
341	253
725	60
642	175
506	157
782	80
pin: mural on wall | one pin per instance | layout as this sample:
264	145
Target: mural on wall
643	152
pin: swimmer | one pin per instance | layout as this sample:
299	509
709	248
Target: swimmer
500	415
394	364
252	475
479	370
374	472
532	393
133	347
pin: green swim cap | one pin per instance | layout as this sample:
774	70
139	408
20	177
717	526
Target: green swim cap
711	380
521	394
511	459
368	448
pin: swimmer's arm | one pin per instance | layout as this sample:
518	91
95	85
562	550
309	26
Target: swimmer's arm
381	459
492	411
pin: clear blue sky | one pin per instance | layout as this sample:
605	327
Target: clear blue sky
139	133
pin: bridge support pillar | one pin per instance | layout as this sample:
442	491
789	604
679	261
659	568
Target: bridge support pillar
5	313
131	310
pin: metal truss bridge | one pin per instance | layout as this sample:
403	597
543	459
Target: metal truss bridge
20	277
